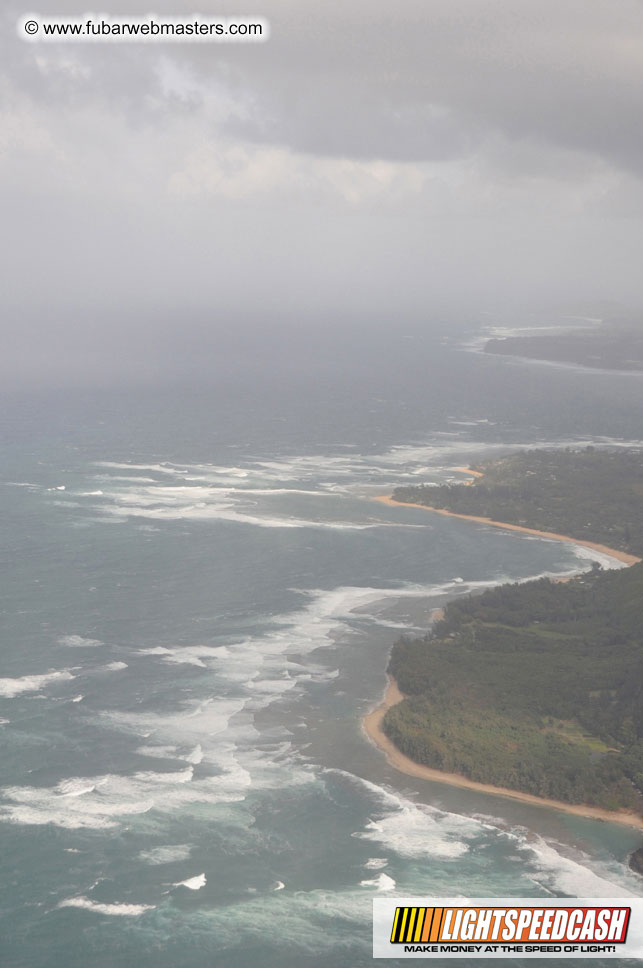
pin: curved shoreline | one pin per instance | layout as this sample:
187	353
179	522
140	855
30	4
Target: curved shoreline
372	727
372	722
623	556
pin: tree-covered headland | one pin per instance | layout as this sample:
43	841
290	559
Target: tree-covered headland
594	495
537	686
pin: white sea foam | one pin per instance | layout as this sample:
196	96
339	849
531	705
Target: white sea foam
102	802
168	854
157	468
193	721
413	830
77	698
246	495
10	688
75	788
193	883
376	863
590	555
224	512
122	910
78	641
381	883
115	666
309	921
277	886
160	752
189	654
577	876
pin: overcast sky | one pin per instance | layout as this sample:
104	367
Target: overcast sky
369	160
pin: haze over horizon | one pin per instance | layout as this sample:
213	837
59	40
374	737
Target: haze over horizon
369	162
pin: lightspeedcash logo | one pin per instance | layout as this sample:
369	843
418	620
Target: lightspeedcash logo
508	927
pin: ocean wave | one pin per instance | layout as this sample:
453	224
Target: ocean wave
224	512
102	802
590	555
411	830
381	883
116	909
193	883
246	495
314	922
376	863
167	854
554	868
78	641
9	688
188	654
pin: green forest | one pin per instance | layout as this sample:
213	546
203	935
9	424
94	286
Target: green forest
596	495
538	686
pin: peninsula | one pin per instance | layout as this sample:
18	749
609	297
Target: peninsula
614	345
534	690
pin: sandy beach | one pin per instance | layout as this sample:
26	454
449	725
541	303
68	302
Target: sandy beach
468	470
372	726
372	722
603	549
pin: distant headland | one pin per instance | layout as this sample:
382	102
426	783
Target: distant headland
613	345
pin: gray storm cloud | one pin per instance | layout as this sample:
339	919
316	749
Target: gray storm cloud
370	158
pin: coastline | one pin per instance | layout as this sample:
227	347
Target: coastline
623	556
372	727
372	721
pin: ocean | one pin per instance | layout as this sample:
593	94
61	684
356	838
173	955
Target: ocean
199	595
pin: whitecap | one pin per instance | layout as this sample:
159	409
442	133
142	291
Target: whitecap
189	654
193	883
577	876
168	854
9	688
413	830
75	788
123	910
381	883
160	752
180	776
376	863
78	641
101	802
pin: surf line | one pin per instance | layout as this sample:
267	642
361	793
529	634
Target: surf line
372	722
